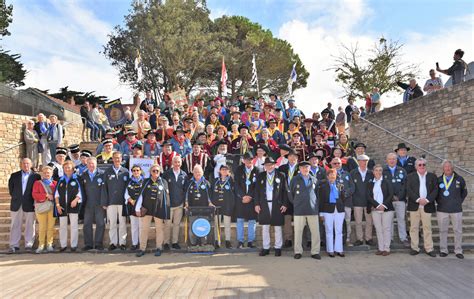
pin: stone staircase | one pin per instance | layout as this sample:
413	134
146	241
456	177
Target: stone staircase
468	229
90	146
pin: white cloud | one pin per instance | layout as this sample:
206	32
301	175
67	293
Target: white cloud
316	41
62	47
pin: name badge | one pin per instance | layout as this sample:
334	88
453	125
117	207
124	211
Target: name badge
73	184
227	187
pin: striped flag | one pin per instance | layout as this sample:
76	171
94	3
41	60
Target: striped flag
254	80
138	66
223	78
292	79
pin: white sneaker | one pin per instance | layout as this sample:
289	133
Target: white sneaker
40	250
50	248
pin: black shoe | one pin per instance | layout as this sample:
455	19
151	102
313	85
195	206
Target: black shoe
134	247
240	246
331	255
87	248
158	252
297	256
29	249
250	245
228	245
216	245
308	244
341	254
62	249
112	247
264	252
123	247
99	247
73	249
414	252
288	244
460	256
431	253
175	246
358	243
166	247
140	253
277	252
316	256
443	254
370	242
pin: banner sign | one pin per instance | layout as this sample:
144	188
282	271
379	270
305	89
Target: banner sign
144	163
179	97
114	112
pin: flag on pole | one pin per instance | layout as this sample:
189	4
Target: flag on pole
223	78
138	66
292	79
254	80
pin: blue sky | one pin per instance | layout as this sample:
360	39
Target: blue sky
60	40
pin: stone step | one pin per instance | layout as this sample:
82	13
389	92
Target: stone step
4	206
90	146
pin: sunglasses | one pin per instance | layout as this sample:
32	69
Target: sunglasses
422	165
136	170
155	170
335	163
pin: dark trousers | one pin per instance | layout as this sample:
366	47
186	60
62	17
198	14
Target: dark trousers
94	214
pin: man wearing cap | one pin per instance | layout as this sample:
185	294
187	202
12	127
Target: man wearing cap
177	183
397	176
223	197
141	125
353	162
290	170
275	133
297	143
422	190
105	157
197	157
319	143
83	159
61	154
74	154
126	147
267	114
307	131
245	178
260	155
315	170
249	108
305	203
166	156
180	144
113	198
451	194
329	122
351	108
151	147
243	143
292	111
343	177
92	182
109	134
271	202
284	151
403	160
361	177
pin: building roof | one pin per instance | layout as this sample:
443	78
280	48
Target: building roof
67	106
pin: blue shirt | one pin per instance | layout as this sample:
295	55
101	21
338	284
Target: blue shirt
392	170
334	193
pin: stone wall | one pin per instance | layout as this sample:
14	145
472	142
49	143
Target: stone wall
11	133
442	123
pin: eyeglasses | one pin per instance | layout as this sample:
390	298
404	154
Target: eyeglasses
136	170
155	170
335	163
423	164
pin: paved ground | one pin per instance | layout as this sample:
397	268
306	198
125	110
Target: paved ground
358	275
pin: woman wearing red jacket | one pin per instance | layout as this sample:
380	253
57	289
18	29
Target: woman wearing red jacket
46	220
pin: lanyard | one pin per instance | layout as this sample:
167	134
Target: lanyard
223	184
291	173
447	184
198	183
270	179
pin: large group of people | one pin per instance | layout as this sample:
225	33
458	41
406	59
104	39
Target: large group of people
254	160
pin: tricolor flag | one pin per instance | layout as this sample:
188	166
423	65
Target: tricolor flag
223	78
254	80
138	66
292	79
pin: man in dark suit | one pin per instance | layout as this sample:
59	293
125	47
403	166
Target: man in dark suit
92	181
422	190
271	202
353	163
113	198
22	207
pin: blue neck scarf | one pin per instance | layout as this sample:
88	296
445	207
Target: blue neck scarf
334	193
403	160
135	180
306	180
47	182
392	170
43	128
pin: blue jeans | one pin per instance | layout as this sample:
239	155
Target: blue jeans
94	130
101	129
52	149
250	230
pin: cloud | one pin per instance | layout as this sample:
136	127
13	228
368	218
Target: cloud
317	40
61	43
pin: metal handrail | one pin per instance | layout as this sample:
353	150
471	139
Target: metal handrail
21	143
415	145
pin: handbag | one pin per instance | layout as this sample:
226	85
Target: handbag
47	205
40	148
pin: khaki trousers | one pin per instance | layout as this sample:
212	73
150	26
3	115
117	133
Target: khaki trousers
383	228
172	226
287	228
415	217
443	223
46	223
299	223
358	213
145	223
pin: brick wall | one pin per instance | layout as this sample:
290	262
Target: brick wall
442	123
11	133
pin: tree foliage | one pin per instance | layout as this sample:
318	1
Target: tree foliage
383	68
80	97
180	45
5	17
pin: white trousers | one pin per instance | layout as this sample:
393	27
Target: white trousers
333	223
135	229
383	228
400	212
74	226
266	236
16	224
114	213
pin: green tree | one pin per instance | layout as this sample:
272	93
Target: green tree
80	97
5	17
382	69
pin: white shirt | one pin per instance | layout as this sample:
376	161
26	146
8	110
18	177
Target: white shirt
24	181
423	191
378	194
363	174
116	170
176	174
